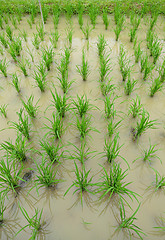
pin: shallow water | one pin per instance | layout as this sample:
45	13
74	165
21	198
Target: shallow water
64	217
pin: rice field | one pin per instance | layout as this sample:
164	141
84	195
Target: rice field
82	125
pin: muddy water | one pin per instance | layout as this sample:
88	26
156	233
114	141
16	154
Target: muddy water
63	217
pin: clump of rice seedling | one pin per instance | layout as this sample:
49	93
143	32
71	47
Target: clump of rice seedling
52	151
30	107
9	32
83	70
127	224
112	127
135	20
23	126
16	45
56	129
22	64
33	12
109	107
117	12
159	182
60	103
125	68
135	108
45	11
153	21
46	176
15	82
117	31
40	30
54	38
70	36
18	150
148	67
3	67
82	105
40	76
30	54
6	18
24	34
29	21
101	44
69	11
143	62
105	18
143	124
10	175
113	184
47	56
83	125
129	85
156	86
82	183
34	222
14	22
132	34
156	49
86	31
107	87
36	42
56	15
93	12
150	38
3	110
3	40
80	14
137	53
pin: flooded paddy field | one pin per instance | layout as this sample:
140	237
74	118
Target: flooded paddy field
106	140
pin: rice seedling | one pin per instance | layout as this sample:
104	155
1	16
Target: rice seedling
46	176
2	207
80	14
86	31
34	222
93	12
150	38
83	70
132	34
135	108
109	107
112	127
83	125
113	184
18	150
60	103
82	105
69	11
105	67
82	183
143	124
30	107
29	21
23	126
15	82
24	34
40	80
56	129
9	32
129	85
148	67
65	84
3	67
33	13
47	56
117	12
54	38
156	49
22	64
30	54
14	22
159	182
70	36
137	53
162	72
10	175
117	31
143	62
40	31
107	87
156	86
3	110
105	18
125	67
52	151
127	224
153	21
161	225
56	15
101	44
135	20
16	46
45	12
3	40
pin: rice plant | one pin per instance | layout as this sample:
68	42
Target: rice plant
101	44
80	14
93	12
40	31
82	105
143	62
2	207
18	150
16	45
29	21
36	41
135	20
47	56
22	64
23	126
132	34
3	67
40	77
9	33
30	107
148	67
46	176
156	86
56	15
56	129
105	18
156	49
45	12
60	103
54	38
33	13
86	31
14	22
143	124
83	125
161	71
30	54
137	53
117	31
112	127
82	183
127	224
107	87
113	184
34	223
109	107
83	69
24	34
3	110
69	11
3	40
70	36
124	63
150	38
135	108
153	21
159	182
52	150
129	85
10	175
15	82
